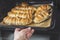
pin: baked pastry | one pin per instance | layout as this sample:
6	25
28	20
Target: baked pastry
45	7
25	21
25	8
40	17
15	10
41	14
7	20
31	9
11	14
26	15
11	21
18	21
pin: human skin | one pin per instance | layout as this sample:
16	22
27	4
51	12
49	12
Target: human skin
23	34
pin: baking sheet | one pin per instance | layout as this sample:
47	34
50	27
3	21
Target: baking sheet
48	24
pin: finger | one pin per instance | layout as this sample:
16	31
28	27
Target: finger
30	33
24	31
17	29
29	29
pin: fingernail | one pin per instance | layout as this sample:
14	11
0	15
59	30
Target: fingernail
29	28
32	30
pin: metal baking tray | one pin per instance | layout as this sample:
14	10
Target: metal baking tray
52	24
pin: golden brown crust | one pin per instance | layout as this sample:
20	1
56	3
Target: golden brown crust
13	21
45	7
41	13
18	21
25	21
11	14
7	20
38	19
25	9
22	15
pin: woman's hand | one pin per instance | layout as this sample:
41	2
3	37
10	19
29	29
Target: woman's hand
23	34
